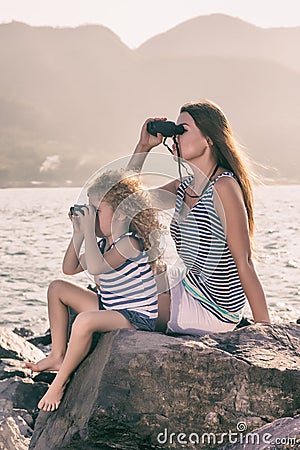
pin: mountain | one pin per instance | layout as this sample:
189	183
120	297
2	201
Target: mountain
74	99
226	36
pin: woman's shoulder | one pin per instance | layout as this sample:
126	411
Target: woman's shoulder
184	183
227	187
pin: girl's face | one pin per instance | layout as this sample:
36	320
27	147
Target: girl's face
104	218
192	142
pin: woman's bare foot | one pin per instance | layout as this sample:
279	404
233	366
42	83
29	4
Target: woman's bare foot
52	398
51	362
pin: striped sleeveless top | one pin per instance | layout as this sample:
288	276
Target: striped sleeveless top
129	286
211	274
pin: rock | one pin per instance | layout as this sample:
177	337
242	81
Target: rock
12	367
13	346
276	346
281	434
244	322
24	332
11	438
44	340
19	393
138	388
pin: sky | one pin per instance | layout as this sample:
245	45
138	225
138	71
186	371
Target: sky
135	21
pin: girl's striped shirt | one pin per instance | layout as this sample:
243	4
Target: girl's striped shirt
129	286
211	274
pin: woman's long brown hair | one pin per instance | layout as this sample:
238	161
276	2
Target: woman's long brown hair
213	123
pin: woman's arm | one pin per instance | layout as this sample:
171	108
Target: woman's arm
146	142
230	207
163	197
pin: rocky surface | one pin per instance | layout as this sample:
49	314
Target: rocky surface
136	388
278	435
18	390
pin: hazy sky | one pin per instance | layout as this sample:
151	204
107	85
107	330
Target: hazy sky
137	20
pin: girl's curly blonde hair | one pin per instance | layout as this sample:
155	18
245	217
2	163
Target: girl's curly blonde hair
124	190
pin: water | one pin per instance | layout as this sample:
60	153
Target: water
35	232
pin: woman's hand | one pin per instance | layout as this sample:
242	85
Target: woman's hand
148	141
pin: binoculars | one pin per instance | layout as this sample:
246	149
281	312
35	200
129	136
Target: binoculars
76	208
164	127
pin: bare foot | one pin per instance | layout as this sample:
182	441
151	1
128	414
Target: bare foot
51	362
52	398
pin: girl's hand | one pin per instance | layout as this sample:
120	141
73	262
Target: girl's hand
148	141
75	223
84	221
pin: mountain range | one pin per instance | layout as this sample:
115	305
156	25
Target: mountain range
74	99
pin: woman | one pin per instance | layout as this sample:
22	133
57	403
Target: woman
212	226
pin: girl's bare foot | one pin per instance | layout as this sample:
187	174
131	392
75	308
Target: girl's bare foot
52	398
51	362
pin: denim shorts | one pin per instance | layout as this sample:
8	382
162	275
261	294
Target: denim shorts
139	321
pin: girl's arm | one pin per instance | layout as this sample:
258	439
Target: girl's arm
230	207
73	264
98	263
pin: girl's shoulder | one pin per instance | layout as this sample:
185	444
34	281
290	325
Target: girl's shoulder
127	240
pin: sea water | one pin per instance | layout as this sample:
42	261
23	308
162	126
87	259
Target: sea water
35	232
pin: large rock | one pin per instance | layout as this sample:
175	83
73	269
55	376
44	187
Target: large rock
138	388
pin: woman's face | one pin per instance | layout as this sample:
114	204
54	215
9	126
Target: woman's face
192	142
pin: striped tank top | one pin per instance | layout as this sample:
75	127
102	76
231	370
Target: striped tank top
129	286
211	274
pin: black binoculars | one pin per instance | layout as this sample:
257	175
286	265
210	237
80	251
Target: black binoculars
76	208
164	127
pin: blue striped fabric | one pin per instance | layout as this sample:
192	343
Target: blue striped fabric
129	286
211	274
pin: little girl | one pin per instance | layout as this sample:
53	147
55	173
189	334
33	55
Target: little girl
120	214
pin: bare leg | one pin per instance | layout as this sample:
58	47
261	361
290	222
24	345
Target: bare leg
62	294
84	326
164	301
